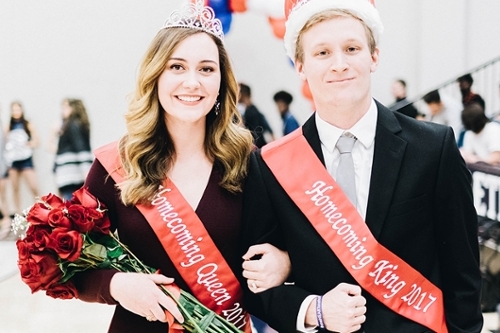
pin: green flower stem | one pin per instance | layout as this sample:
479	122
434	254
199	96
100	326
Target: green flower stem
146	269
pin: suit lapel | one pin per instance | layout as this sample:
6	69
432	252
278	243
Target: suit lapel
311	134
387	158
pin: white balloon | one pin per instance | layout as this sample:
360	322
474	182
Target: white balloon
272	8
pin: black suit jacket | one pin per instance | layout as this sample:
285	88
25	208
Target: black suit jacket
420	207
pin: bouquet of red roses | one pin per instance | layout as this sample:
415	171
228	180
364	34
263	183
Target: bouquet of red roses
58	239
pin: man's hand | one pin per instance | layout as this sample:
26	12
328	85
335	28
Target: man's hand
271	270
343	309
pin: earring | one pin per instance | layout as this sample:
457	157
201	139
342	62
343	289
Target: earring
217	107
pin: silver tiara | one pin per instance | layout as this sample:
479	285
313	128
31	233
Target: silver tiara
196	16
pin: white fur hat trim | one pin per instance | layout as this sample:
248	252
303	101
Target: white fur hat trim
305	9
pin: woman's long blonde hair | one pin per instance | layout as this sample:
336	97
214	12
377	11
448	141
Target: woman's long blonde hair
147	151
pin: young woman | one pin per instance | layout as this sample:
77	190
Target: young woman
73	156
22	138
173	183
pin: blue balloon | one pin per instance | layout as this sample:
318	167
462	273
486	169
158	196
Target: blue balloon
219	6
226	20
223	13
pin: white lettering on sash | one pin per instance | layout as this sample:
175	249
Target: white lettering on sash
207	274
384	272
328	209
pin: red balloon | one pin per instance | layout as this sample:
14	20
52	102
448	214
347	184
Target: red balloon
306	92
278	25
238	6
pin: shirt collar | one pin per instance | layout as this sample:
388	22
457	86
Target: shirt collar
364	129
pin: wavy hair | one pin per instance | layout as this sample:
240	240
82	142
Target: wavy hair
78	114
147	151
21	120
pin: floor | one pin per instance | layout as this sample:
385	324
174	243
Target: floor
23	312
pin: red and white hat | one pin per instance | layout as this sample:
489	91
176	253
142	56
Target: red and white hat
298	12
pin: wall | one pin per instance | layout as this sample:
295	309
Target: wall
90	49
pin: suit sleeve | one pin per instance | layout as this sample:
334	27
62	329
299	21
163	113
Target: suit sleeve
277	306
458	243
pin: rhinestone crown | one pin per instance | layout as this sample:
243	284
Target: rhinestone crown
196	16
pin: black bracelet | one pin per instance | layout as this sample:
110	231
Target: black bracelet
319	312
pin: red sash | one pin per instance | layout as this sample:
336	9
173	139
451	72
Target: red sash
188	244
384	275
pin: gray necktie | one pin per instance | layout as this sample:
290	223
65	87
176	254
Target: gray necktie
345	171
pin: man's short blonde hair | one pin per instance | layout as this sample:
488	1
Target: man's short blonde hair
325	16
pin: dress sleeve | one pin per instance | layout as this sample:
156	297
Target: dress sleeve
93	285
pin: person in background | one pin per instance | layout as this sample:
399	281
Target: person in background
444	110
468	97
73	155
283	100
253	119
496	116
402	104
375	208
482	136
185	146
5	220
22	138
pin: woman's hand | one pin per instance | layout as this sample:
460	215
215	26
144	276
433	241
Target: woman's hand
271	270
139	293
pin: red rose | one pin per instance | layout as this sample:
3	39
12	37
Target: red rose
63	291
40	271
23	250
66	243
38	214
83	197
58	219
49	269
29	274
101	221
53	201
38	237
93	214
78	215
102	225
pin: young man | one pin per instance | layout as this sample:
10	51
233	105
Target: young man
254	120
395	248
468	97
402	104
283	99
444	110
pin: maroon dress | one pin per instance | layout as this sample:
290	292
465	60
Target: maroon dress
219	210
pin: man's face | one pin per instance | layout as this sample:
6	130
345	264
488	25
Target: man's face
282	106
435	108
398	90
464	85
337	62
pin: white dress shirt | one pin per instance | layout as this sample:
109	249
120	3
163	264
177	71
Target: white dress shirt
362	155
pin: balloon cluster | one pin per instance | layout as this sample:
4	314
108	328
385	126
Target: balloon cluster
272	9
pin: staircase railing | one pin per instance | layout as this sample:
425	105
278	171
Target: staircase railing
486	83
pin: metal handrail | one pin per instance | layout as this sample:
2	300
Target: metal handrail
486	83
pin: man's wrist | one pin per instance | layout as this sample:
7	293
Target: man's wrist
319	312
311	319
